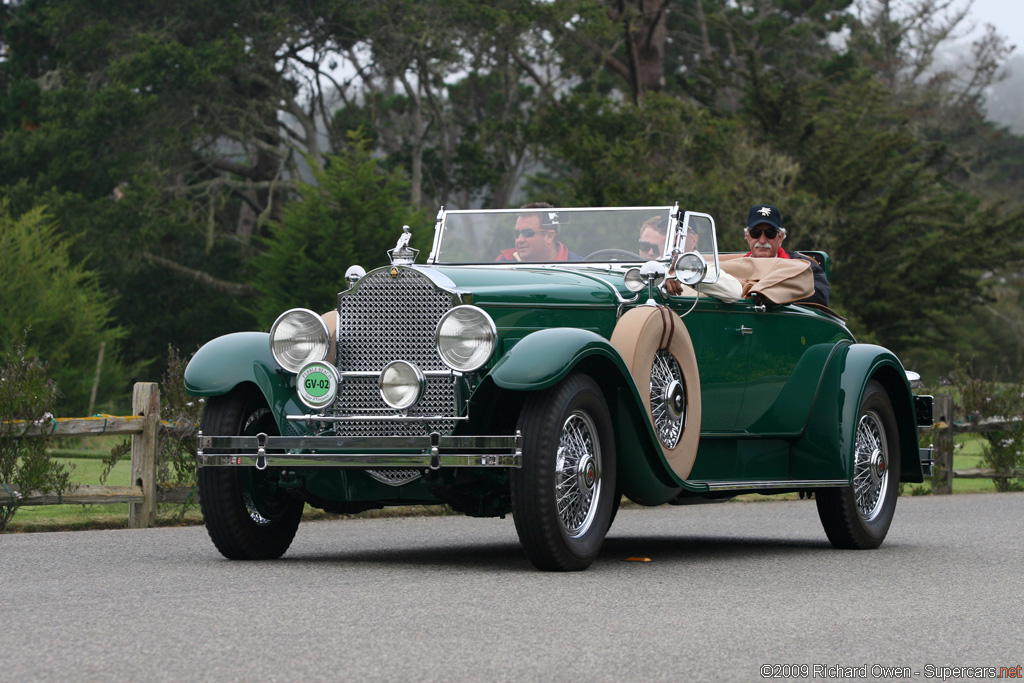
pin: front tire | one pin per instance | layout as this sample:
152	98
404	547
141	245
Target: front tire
247	515
858	517
564	493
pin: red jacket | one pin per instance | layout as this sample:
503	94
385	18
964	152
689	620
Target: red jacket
561	255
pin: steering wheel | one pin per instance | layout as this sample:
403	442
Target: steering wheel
608	254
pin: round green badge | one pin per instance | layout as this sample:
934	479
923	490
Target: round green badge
317	384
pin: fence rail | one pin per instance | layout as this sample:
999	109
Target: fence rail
947	429
143	426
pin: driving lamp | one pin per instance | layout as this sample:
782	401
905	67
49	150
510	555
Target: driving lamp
633	281
401	384
690	268
465	338
297	337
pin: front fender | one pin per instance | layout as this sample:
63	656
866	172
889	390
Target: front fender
226	362
544	358
832	424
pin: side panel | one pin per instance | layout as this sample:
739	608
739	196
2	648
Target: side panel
225	362
788	350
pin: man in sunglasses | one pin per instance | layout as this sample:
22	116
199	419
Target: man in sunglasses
764	234
536	236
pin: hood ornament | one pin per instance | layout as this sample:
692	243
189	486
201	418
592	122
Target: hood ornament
403	254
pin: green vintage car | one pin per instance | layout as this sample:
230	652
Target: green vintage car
535	363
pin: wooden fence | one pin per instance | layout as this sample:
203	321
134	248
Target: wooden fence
947	429
144	427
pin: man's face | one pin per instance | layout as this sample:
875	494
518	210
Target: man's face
533	242
761	245
652	244
691	240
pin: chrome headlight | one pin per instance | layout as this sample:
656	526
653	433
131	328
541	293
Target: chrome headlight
401	384
465	338
690	268
299	336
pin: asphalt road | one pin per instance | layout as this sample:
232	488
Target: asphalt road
729	588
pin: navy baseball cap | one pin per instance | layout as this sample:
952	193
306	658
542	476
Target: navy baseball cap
764	213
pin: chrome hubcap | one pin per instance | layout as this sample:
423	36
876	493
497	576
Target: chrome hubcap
587	473
668	398
577	474
871	466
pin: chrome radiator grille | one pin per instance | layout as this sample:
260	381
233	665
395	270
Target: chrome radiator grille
385	319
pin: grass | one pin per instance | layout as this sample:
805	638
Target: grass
88	467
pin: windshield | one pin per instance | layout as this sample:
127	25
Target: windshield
634	234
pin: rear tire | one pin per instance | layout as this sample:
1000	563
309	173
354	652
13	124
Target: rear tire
247	515
564	493
858	517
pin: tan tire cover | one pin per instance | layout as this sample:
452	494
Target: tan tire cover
639	334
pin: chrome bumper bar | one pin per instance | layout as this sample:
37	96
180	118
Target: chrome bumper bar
927	461
432	451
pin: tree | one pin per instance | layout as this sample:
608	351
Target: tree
59	306
352	215
193	116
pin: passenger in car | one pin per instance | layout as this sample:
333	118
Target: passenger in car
653	234
764	234
536	236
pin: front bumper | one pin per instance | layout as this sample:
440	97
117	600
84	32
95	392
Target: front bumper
433	451
923	407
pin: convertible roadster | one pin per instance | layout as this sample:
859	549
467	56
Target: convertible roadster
496	383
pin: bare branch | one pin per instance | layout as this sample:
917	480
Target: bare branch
525	66
230	288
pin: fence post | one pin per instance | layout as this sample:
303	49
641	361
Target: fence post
145	402
943	477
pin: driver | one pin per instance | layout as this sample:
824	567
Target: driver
652	238
536	236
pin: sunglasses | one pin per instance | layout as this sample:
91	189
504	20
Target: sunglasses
770	233
649	246
527	232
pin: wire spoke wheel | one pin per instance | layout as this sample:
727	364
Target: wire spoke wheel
668	398
858	516
562	496
578	474
871	466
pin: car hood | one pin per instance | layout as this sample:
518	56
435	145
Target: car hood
532	286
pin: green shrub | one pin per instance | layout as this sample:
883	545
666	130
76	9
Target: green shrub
981	400
58	308
26	393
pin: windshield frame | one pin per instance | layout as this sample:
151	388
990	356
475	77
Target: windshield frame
675	235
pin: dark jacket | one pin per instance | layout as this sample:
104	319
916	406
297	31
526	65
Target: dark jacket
821	286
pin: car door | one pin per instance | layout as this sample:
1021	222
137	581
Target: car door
787	348
716	330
